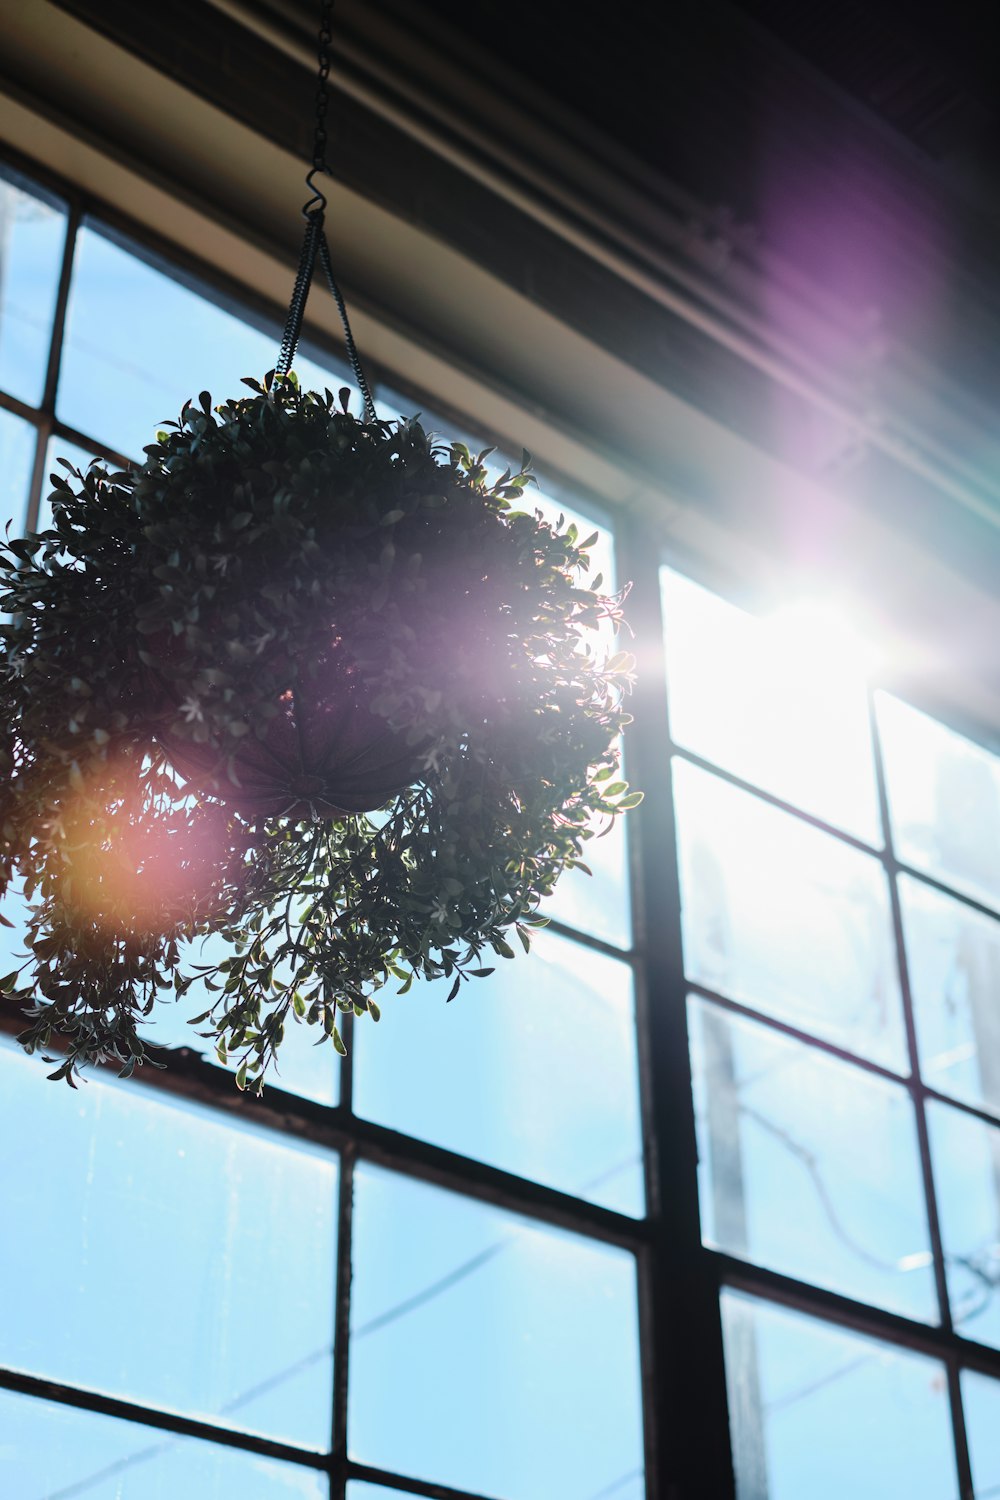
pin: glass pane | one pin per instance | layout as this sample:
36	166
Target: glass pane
773	703
533	1070
166	1255
53	1452
303	1068
944	800
598	903
780	1124
32	238
818	1413
488	1352
17	456
139	344
12	945
981	1400
787	919
311	1071
966	1156
80	458
954	964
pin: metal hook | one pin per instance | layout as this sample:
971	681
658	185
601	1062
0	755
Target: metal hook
316	205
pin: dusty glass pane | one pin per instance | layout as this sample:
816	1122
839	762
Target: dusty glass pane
953	953
17	456
532	1069
944	800
166	1255
773	703
32	237
786	918
53	1452
139	344
820	1413
981	1401
781	1124
966	1157
488	1352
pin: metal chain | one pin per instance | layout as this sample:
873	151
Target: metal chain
315	239
300	293
352	352
322	85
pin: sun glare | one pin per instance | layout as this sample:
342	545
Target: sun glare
820	638
779	700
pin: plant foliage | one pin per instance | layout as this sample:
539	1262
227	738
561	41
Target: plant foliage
312	683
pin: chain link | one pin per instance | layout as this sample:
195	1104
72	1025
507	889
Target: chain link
314	241
323	85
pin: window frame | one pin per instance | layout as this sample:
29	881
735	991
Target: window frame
679	1280
198	1081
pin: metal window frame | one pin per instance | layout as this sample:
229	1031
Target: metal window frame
190	1076
686	1419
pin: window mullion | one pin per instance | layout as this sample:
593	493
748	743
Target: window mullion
47	414
688	1409
923	1138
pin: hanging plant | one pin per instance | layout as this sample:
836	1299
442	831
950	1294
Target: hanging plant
305	680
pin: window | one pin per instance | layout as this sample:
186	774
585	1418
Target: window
479	1282
839	874
446	1228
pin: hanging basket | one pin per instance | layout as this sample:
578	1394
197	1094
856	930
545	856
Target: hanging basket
305	680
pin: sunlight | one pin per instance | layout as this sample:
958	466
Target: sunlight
823	639
779	701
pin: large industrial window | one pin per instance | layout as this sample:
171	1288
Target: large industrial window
453	1288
